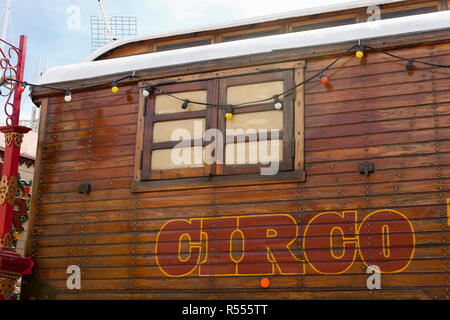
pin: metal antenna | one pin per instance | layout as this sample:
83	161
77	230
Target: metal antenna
105	20
120	27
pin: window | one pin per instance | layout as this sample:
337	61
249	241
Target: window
198	146
402	12
305	26
163	117
181	44
258	118
253	33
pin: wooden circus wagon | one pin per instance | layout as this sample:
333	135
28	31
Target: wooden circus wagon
304	155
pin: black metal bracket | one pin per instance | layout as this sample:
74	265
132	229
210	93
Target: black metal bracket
84	188
366	168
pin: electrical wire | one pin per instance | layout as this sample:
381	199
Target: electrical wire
289	91
256	101
406	59
71	89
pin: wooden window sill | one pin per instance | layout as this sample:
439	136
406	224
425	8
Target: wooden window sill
217	181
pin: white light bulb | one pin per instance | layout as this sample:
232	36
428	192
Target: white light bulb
278	105
68	97
145	93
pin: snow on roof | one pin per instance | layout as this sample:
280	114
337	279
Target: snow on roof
266	18
360	31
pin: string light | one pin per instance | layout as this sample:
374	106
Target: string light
229	108
277	102
360	53
146	92
185	104
229	112
409	65
323	79
68	96
114	88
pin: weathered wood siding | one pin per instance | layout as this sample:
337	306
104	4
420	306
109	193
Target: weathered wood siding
375	112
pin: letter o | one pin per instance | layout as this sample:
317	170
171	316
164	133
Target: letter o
387	240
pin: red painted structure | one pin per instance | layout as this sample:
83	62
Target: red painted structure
12	265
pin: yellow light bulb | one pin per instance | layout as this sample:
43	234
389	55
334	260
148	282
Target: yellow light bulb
114	89
228	115
359	54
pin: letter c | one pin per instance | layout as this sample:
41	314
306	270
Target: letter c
168	247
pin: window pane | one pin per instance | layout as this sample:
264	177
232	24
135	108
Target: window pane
257	34
181	129
177	158
256	120
254	152
251	92
180	45
167	104
325	24
408	12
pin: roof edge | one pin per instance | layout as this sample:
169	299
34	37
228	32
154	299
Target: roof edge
362	31
240	22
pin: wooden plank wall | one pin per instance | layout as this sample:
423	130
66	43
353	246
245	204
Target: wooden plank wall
375	111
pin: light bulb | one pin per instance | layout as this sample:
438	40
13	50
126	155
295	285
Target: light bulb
185	104
68	96
229	113
146	91
360	53
114	88
277	102
409	65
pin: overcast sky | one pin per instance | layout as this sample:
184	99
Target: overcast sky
52	33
